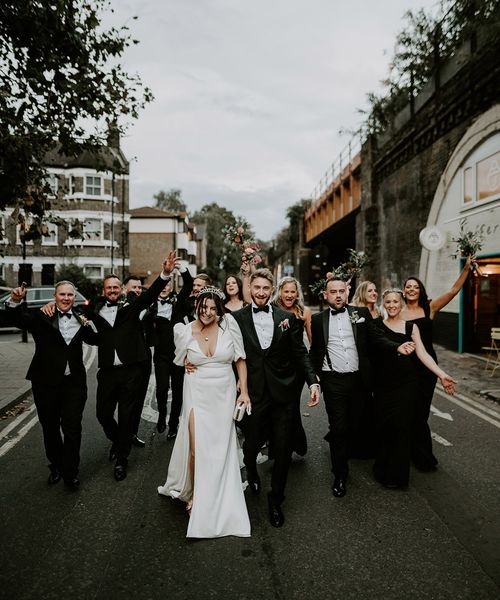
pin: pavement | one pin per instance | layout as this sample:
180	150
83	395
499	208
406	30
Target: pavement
469	370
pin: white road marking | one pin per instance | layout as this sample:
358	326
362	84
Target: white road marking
440	440
469	405
89	354
440	414
148	412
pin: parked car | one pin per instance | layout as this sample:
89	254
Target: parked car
36	297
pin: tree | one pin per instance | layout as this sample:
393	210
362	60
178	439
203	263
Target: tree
60	78
171	200
222	258
75	274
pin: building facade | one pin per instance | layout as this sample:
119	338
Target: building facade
86	226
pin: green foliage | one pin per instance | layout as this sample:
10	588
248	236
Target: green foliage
423	44
60	78
170	201
90	289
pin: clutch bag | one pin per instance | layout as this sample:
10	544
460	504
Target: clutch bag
239	411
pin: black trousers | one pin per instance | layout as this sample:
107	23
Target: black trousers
274	422
118	386
141	392
166	373
344	396
60	409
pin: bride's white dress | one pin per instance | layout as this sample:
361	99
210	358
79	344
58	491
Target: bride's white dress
219	507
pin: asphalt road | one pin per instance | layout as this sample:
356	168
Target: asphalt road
440	539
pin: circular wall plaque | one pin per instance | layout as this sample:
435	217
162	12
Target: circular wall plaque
432	238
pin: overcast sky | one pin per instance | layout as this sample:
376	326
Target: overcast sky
250	96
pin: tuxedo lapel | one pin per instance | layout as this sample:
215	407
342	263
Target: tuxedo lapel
326	325
350	310
249	325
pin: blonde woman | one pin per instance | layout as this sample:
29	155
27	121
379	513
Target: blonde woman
366	295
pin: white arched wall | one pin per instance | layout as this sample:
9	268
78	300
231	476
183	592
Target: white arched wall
438	270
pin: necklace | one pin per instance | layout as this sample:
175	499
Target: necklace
206	339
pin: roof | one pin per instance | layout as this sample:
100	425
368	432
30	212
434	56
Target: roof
149	212
106	158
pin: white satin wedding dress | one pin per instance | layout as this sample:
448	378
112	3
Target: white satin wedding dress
219	507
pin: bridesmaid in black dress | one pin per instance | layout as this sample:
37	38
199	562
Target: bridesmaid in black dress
421	311
397	393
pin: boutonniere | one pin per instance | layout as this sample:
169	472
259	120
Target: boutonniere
86	322
284	325
355	318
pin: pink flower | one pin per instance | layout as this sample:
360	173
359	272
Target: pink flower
249	250
257	259
240	229
284	325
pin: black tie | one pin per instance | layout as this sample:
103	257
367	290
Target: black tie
68	315
257	309
336	312
162	302
112	303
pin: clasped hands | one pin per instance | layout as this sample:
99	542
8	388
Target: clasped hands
406	348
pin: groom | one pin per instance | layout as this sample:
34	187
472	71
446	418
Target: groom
274	353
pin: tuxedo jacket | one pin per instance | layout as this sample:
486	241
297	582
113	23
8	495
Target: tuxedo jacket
126	336
52	354
320	324
273	371
160	331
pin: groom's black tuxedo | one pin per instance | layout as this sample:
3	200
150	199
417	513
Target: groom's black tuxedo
59	384
271	379
346	394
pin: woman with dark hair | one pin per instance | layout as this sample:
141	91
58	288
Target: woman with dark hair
421	311
396	392
204	469
233	290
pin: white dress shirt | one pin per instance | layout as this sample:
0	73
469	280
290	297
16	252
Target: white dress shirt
165	310
68	327
264	326
341	345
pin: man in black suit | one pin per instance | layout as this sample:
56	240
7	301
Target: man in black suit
58	376
339	354
274	353
132	289
163	314
121	352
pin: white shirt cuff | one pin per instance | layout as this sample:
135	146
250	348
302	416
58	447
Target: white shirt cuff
165	277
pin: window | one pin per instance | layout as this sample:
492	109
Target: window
92	229
51	238
93	271
52	181
468	189
488	177
93	185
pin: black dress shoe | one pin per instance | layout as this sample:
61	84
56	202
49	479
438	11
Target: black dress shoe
72	483
138	443
120	472
54	477
276	516
172	433
161	425
339	490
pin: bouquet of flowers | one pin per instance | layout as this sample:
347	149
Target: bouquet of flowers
238	236
468	242
355	263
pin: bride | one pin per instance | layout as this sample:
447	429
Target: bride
204	469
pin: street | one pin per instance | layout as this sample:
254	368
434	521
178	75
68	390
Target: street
439	539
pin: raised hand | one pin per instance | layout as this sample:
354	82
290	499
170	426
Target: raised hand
19	293
169	262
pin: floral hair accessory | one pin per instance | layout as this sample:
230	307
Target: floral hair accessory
284	325
212	290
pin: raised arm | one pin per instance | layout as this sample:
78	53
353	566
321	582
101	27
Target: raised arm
439	303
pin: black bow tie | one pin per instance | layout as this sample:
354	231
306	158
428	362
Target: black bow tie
112	303
68	315
336	312
257	309
162	302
